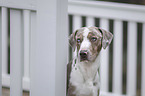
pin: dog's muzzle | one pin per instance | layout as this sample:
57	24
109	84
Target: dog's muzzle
83	55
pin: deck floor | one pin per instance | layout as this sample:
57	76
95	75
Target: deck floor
6	92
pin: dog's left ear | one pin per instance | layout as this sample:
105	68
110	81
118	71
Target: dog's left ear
107	38
72	41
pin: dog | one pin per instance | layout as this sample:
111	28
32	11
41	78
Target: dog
82	71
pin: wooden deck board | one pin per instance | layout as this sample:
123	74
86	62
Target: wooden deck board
6	92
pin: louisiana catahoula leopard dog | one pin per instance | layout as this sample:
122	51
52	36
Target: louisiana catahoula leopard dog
82	72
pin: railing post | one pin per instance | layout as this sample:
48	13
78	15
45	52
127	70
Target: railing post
143	62
16	52
4	39
76	22
48	73
131	58
0	55
26	18
117	59
104	24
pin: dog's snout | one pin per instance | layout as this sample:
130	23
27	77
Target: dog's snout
83	54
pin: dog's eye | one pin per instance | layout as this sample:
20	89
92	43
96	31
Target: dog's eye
93	39
78	40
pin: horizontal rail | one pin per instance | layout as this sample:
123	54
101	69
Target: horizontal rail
109	10
19	4
90	8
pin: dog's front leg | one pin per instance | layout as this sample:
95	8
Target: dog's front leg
96	90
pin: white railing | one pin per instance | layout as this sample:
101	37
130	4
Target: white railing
25	14
104	11
33	33
132	14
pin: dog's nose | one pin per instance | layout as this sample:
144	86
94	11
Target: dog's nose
83	54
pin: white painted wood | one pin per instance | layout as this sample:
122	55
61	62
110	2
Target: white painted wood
6	80
16	52
104	24
51	45
19	4
117	56
103	93
77	22
33	51
90	21
143	62
26	81
26	84
108	10
131	58
0	54
79	8
4	40
26	16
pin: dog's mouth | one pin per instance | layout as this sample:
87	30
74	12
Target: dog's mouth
84	59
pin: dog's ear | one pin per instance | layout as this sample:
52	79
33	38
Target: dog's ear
72	39
107	38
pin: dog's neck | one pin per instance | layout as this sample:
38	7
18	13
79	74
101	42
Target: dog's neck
89	70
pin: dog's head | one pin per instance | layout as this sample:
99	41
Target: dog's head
88	41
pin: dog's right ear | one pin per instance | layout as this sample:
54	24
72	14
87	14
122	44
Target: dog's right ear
72	40
107	38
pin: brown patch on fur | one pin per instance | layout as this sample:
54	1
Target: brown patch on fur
96	46
95	31
79	36
71	90
68	73
72	39
70	87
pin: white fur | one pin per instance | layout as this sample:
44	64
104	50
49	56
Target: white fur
85	43
83	74
89	74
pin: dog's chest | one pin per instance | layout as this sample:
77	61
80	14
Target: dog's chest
85	80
